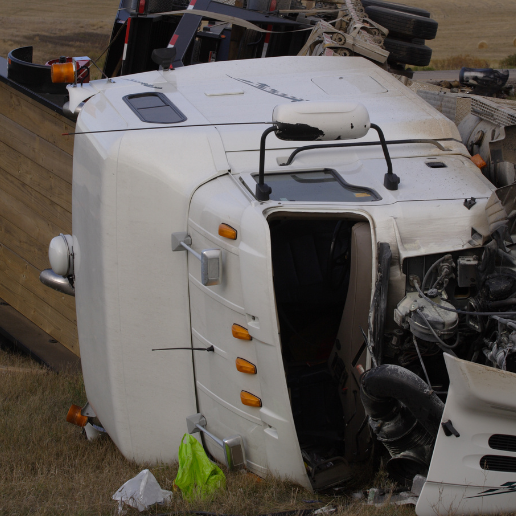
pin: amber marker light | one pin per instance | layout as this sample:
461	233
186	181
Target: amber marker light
63	73
239	332
245	366
250	399
478	161
227	231
75	417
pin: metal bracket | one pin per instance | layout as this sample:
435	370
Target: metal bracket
469	203
232	447
211	259
87	410
178	239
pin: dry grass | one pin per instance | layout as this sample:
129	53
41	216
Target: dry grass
457	62
464	23
509	62
57	27
47	467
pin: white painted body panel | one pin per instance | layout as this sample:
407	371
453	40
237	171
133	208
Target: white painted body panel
480	403
133	189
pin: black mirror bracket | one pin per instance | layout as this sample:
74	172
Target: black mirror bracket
390	180
263	190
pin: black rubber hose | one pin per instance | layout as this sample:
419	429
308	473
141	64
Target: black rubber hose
386	386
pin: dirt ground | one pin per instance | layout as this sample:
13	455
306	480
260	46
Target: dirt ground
57	27
463	24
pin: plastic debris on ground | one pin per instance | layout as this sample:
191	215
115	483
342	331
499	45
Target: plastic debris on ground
198	477
141	492
325	510
380	498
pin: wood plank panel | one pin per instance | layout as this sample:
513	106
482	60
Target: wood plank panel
36	118
35	176
23	244
26	275
31	211
36	149
35	205
15	276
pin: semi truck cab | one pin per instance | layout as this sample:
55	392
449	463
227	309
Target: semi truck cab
253	244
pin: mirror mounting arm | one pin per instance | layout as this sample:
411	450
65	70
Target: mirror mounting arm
263	190
390	180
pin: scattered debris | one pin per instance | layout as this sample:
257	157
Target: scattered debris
197	477
380	497
141	492
325	510
93	431
483	81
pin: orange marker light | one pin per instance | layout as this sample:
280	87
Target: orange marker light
63	73
227	231
239	332
245	366
250	399
478	161
75	417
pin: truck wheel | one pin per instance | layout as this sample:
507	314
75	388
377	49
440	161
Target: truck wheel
403	23
397	7
408	53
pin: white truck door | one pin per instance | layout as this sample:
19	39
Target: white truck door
245	298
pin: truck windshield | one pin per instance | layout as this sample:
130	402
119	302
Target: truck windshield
320	185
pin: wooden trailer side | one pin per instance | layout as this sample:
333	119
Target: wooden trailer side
35	206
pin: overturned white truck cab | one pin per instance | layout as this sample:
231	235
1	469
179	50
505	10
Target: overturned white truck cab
249	237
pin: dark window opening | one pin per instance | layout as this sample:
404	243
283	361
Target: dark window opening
316	186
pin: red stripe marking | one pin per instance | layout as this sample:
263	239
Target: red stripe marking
269	27
173	40
127	30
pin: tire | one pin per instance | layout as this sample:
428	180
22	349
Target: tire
397	7
408	53
417	41
403	23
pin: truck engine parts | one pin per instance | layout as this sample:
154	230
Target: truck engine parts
404	414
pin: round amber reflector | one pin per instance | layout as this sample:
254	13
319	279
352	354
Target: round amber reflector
250	399
239	332
245	366
75	417
63	72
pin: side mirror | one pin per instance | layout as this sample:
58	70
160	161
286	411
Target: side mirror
320	121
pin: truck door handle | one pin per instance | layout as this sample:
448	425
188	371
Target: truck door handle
232	447
211	259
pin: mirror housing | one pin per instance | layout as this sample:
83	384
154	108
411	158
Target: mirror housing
320	121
